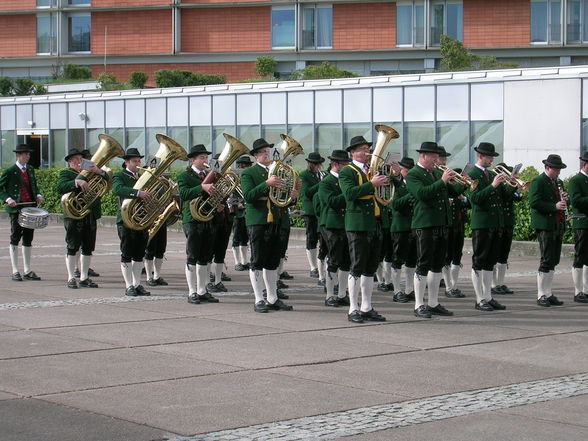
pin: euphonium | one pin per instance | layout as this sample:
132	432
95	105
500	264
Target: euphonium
138	214
225	181
384	194
511	179
77	205
460	179
282	196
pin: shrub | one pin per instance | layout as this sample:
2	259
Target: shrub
137	80
181	78
76	72
5	86
108	81
323	70
265	66
23	86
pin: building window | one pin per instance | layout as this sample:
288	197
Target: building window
410	23
447	19
78	31
577	24
46	34
79	2
317	26
546	21
45	3
283	27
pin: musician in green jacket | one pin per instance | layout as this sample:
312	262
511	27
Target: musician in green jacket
199	235
548	216
79	233
132	242
578	191
487	223
237	206
332	221
363	224
18	188
431	216
263	220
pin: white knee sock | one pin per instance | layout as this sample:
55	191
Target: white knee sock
585	279
149	268
256	278
577	277
236	256
157	264
243	253
433	282
396	273
137	267
367	286
281	266
26	259
84	266
541	281
330	284
218	272
447	277
202	279
270	277
70	265
388	273
454	275
380	273
409	273
311	256
549	283
420	284
477	282
321	269
500	269
127	272
354	287
487	284
343	279
191	278
12	249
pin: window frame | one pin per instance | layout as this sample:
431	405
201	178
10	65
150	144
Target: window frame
315	26
413	26
444	3
284	8
68	26
53	33
549	24
583	27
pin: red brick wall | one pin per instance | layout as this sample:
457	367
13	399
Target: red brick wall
12	5
496	23
104	3
232	71
225	1
132	32
18	35
226	29
364	26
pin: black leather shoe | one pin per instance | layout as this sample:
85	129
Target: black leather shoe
193	298
207	297
355	317
497	306
497	290
31	275
542	301
343	301
151	282
142	291
382	287
92	273
77	273
410	296
314	273
16	277
260	306
390	287
372	316
332	301
131	292
453	294
72	284
225	278
440	310
400	297
422	312
220	287
247	266
484	306
240	267
286	276
282	285
581	298
88	284
506	289
281	294
279	306
554	300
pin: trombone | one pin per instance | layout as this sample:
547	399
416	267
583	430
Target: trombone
511	179
460	179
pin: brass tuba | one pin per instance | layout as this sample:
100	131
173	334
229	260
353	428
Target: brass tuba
281	196
225	181
77	204
140	214
378	165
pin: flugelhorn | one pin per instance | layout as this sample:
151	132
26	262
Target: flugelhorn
511	179
460	179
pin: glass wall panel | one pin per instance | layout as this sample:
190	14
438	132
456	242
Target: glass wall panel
303	134
271	133
353	129
404	24
79	32
328	106
177	111
396	145
324	29
151	141
455	137
248	109
135	137
59	147
388	104
283	26
41	115
487	102
200	110
92	141
584	135
300	108
24	114
223	110
437	23
115	113
8	144
454	20
58	115
538	21
574	25
218	140
77	139
273	108
155	112
357	105
452	102
180	135
489	131
118	134
46	33
419	103
416	133
134	113
555	21
95	114
248	134
328	137
76	115
199	135
8	117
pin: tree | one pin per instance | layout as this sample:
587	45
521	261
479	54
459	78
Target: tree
323	70
265	66
5	86
456	58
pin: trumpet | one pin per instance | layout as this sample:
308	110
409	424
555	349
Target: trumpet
460	179
511	179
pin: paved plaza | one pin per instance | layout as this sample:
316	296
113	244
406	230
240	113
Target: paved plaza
94	365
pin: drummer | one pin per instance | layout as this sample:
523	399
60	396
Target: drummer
18	188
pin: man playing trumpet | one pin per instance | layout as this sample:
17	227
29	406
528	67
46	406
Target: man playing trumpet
578	190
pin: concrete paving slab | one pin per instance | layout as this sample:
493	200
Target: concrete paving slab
33	343
98	369
180	307
4	328
30	419
7	396
204	404
480	427
570	411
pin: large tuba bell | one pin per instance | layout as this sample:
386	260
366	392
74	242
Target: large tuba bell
77	205
138	214
225	181
281	196
378	165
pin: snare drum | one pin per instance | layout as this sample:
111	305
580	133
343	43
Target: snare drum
33	217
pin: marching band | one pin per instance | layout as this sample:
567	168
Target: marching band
364	217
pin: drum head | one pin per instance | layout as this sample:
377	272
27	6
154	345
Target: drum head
34	211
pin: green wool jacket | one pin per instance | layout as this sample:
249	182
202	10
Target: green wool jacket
401	208
189	187
11	182
542	200
578	192
310	185
431	198
488	207
66	184
333	203
256	191
360	203
316	204
122	186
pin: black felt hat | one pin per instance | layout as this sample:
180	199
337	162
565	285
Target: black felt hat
357	140
442	152
132	152
554	161
486	149
315	158
23	148
406	162
198	149
502	164
429	147
259	144
339	156
584	156
86	154
72	152
244	160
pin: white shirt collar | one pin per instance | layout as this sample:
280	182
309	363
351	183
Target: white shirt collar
334	173
361	165
262	166
21	166
584	173
197	170
481	168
